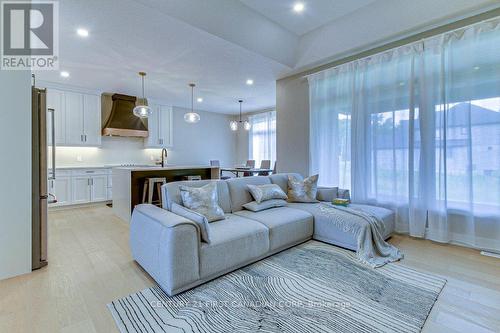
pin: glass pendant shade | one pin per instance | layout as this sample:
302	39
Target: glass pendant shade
233	124
192	117
142	110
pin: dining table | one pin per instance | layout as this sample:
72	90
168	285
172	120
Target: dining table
241	171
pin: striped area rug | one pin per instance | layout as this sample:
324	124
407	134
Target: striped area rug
313	287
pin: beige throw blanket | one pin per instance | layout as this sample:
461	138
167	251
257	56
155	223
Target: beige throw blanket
372	249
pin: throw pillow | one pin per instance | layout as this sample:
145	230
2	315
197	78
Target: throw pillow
266	192
203	200
254	206
196	217
327	193
302	190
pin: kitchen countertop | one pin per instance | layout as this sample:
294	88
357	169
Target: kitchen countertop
106	166
168	167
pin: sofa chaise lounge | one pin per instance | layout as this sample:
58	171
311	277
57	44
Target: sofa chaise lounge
170	249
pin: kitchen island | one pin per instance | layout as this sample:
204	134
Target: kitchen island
128	183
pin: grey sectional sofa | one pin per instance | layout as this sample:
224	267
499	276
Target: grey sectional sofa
168	246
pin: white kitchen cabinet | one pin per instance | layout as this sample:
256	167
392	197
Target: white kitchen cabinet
74	118
83	119
81	189
81	186
55	100
99	188
92	120
160	127
61	188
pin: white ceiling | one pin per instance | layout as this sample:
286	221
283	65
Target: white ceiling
219	44
315	14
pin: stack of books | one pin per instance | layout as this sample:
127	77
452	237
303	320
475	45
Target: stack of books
340	202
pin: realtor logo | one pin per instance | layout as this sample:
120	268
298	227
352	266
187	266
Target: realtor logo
30	32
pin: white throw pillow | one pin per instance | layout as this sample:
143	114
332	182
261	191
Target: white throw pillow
196	217
203	200
302	190
254	206
266	192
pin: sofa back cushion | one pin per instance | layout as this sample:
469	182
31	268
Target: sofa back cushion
238	190
171	193
281	179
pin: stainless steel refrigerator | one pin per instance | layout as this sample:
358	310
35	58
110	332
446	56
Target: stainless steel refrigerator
40	194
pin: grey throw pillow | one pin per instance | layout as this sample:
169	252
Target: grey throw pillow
302	190
327	193
203	200
254	206
196	217
266	192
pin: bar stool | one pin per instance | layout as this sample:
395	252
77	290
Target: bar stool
148	188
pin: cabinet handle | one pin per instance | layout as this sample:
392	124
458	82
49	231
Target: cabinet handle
85	137
81	137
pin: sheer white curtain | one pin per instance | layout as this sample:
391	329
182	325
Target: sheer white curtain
262	137
424	133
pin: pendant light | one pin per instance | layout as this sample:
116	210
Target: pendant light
142	110
233	124
192	117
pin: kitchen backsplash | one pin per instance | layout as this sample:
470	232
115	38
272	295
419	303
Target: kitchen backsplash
114	150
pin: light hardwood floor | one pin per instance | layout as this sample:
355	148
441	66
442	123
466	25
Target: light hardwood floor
90	265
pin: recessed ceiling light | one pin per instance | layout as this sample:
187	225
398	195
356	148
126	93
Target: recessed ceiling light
199	99
64	74
476	68
298	7
249	82
82	32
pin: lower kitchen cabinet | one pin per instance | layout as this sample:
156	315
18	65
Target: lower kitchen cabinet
61	189
99	188
81	189
81	186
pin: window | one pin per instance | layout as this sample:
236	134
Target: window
262	137
417	129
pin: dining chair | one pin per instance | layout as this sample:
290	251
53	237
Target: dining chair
274	168
265	164
250	164
216	163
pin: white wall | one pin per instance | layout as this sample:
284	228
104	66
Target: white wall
15	173
292	125
192	144
208	139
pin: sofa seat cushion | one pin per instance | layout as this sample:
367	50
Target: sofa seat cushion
287	226
325	231
233	241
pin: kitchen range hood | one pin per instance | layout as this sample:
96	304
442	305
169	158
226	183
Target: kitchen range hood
118	117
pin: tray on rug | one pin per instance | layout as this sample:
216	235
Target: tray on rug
313	287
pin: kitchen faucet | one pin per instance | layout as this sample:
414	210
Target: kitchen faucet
164	155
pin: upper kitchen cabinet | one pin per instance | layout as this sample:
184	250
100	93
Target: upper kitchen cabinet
55	101
92	119
77	118
160	127
83	119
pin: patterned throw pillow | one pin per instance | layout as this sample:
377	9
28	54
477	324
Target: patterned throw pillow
266	192
200	220
302	190
203	200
